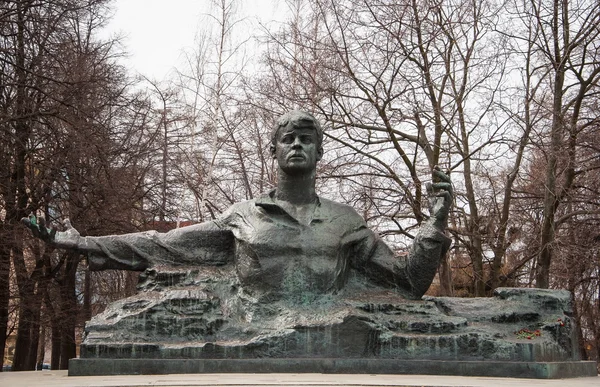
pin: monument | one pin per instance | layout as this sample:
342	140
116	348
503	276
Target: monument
292	282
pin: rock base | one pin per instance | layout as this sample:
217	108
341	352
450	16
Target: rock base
538	370
199	321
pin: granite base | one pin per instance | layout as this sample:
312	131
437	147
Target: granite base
538	370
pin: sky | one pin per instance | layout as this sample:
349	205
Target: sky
156	31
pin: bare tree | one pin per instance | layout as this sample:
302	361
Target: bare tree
563	39
225	140
403	87
67	119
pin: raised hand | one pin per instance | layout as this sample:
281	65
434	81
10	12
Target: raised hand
440	198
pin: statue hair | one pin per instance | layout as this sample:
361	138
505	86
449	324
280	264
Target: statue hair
297	118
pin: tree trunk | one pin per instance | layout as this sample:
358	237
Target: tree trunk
478	273
23	343
445	274
551	201
35	334
68	311
26	286
28	332
41	349
55	324
56	346
4	288
30	293
16	209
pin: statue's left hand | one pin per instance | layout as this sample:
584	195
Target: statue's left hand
440	198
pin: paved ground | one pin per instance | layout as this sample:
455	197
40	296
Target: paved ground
60	379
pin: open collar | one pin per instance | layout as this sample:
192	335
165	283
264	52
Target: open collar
267	201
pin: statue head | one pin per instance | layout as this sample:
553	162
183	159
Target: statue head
297	118
296	142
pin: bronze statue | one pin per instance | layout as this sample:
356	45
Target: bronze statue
291	282
287	236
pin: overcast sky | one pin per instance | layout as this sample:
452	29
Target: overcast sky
156	31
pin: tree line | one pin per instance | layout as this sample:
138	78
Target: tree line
502	94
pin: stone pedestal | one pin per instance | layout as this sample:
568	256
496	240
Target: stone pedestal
188	321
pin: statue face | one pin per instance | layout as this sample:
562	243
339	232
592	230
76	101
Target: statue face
297	149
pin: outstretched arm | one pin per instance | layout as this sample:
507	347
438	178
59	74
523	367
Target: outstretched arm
199	244
192	245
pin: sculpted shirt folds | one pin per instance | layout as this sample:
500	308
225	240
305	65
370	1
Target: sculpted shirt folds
271	250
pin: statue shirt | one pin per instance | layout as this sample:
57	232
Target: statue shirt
272	251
